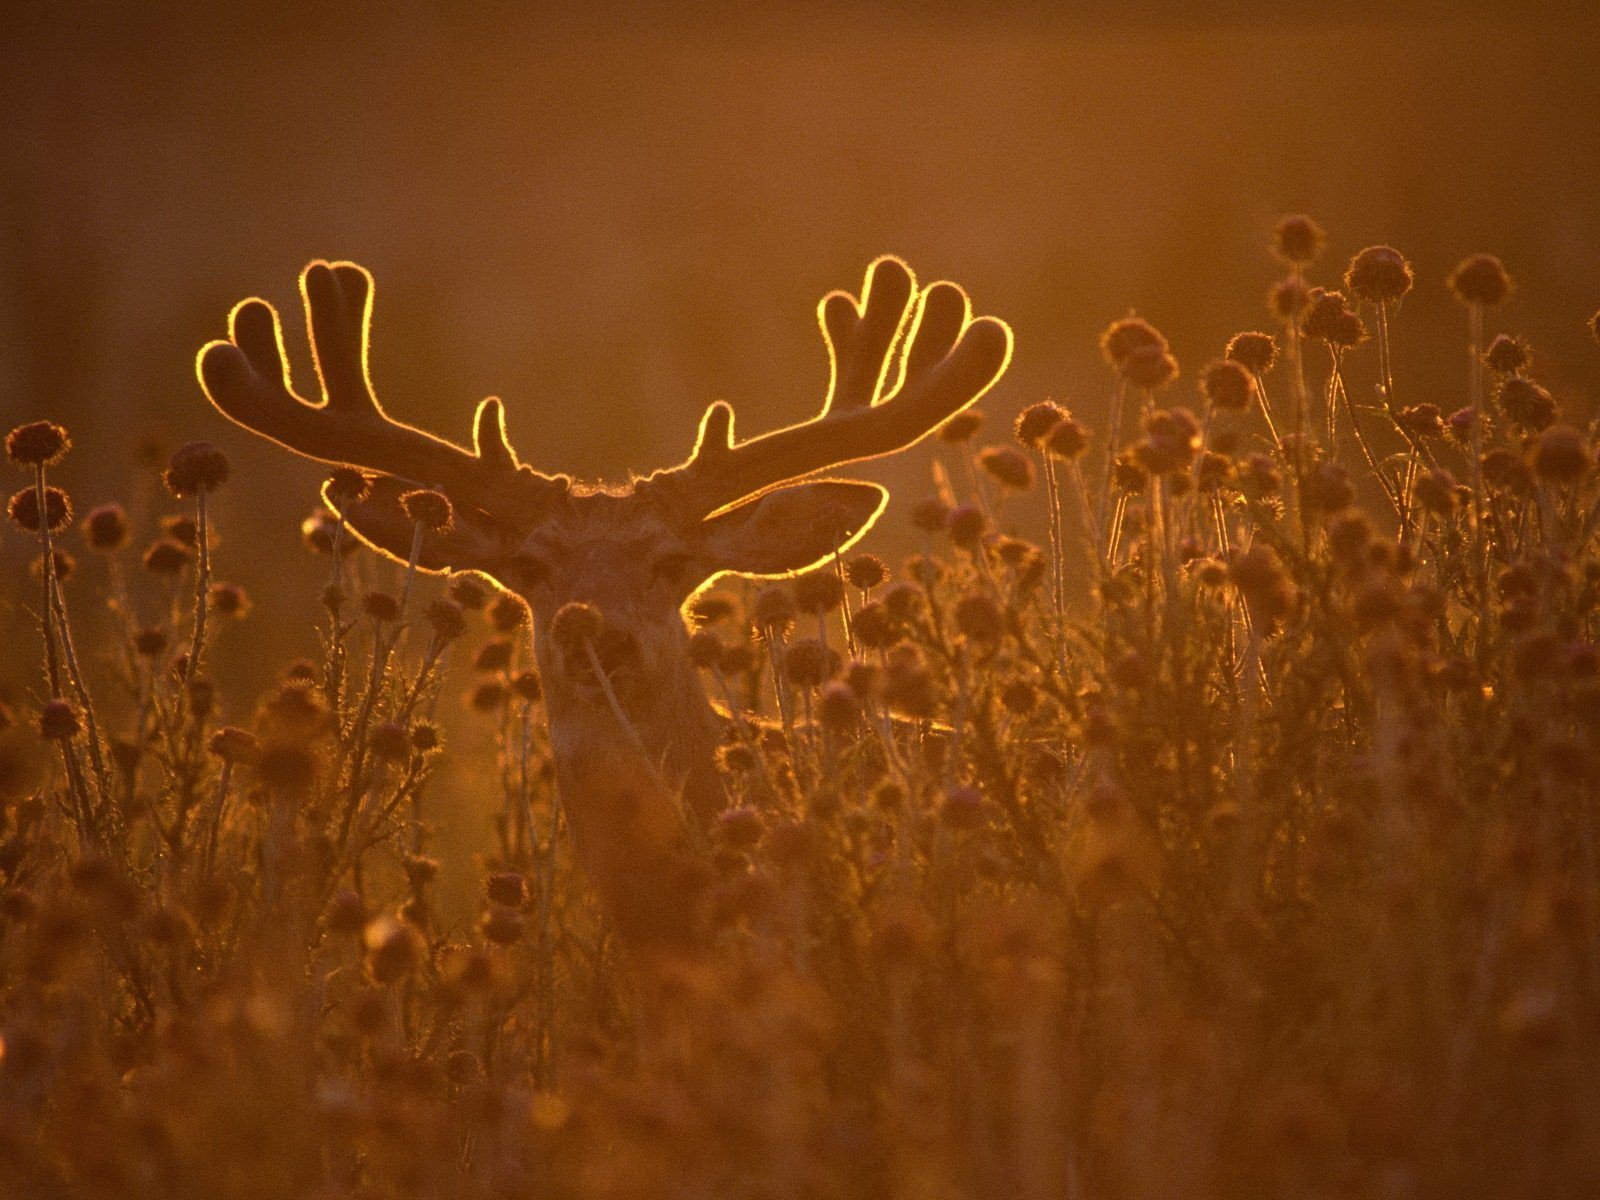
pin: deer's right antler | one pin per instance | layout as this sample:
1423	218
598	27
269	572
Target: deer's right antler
247	377
947	360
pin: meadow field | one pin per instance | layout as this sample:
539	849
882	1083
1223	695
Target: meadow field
1207	808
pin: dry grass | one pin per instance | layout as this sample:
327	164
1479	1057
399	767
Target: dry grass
1270	872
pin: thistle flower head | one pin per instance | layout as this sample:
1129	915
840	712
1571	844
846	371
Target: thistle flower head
37	444
1297	240
106	528
1378	275
1481	279
194	468
428	508
1506	355
23	509
1037	420
1007	466
1228	384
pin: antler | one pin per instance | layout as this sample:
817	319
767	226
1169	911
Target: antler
948	360
247	377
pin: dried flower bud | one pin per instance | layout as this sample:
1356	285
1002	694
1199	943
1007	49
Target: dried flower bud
1007	466
494	655
838	706
1378	274
106	528
1506	355
37	444
1288	299
1149	368
447	620
1037	420
930	515
196	467
966	525
428	508
1255	352
229	600
808	664
1122	338
23	509
317	531
979	618
1297	240
1068	440
507	888
390	741
507	612
818	592
346	486
1481	279
166	557
1228	385
773	609
234	745
866	571
469	592
1526	404
58	721
1561	456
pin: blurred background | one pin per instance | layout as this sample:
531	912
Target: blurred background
611	216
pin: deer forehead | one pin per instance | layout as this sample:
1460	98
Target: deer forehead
605	525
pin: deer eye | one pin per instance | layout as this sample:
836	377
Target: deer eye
672	567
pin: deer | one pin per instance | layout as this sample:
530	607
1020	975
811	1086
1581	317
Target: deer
632	732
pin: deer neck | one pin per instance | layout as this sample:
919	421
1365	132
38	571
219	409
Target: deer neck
636	794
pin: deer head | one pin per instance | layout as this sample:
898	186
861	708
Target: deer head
902	361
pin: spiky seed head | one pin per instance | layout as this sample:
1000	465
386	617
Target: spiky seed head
469	592
930	514
346	485
1378	275
966	525
818	592
1252	350
574	626
106	528
58	721
527	686
1526	404
23	509
229	600
838	706
1037	420
1506	355
428	508
195	467
1297	240
447	619
1007	466
166	557
979	618
1149	368
507	613
1561	456
1287	299
234	745
962	427
37	444
1481	279
1122	338
1228	384
1068	440
866	571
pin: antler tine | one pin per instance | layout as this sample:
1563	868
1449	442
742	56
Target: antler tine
247	378
946	361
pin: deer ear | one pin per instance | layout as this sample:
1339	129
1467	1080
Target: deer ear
791	528
380	521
